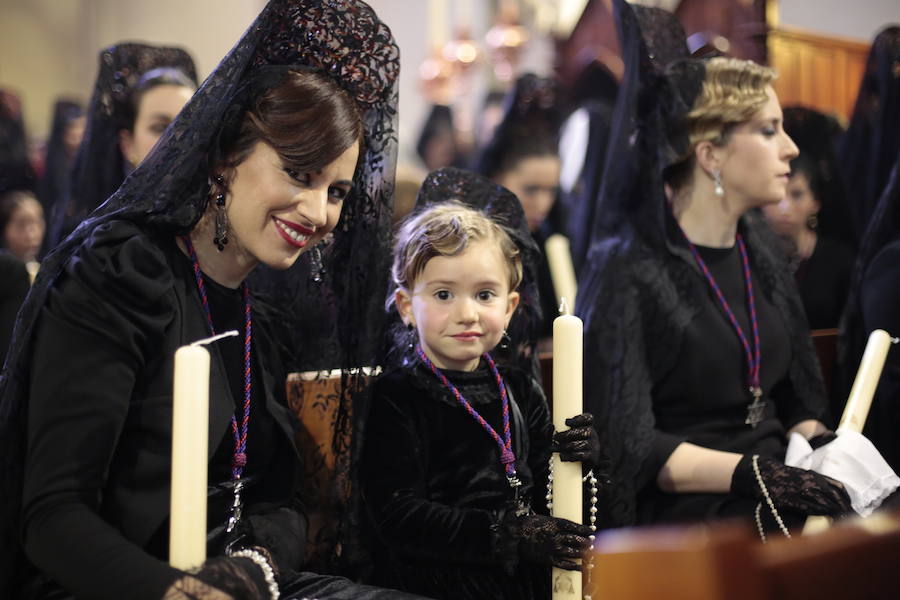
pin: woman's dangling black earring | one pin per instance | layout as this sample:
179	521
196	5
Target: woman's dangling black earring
505	341
316	268
221	237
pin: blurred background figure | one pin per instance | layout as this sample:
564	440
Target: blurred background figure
523	157
813	220
16	172
872	142
66	132
22	226
139	90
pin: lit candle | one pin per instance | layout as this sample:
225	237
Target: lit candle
856	411
568	332
190	434
559	259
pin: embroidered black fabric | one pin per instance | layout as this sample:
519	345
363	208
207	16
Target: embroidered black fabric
869	148
99	167
168	192
641	286
501	205
222	578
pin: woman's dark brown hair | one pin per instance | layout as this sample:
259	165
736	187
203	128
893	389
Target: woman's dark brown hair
306	118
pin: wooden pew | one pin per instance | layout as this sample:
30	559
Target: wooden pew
855	560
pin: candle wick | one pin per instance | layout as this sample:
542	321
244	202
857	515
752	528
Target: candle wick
563	306
215	338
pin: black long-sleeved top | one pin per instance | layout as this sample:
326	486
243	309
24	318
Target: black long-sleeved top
436	491
663	365
96	490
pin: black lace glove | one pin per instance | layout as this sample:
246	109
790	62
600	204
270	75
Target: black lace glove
580	442
549	540
795	489
222	578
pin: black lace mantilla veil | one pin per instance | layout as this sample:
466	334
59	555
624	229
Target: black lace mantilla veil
630	335
99	167
502	206
168	193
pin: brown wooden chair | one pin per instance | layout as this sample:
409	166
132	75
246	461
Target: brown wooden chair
856	559
323	407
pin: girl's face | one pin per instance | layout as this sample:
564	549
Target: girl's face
275	213
535	182
756	160
789	217
157	107
460	305
24	232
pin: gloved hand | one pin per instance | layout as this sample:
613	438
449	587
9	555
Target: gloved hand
282	532
221	578
580	442
795	489
553	541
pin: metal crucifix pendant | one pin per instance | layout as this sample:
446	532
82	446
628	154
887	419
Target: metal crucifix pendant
236	506
755	409
521	505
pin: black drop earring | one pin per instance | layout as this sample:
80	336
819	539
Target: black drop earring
221	234
411	337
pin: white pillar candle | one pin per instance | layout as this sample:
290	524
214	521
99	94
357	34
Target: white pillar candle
559	259
568	333
860	400
190	435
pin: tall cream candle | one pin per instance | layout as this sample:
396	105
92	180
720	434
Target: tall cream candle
190	435
568	333
867	376
559	259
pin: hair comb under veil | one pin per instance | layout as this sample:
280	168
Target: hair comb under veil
99	166
168	194
502	206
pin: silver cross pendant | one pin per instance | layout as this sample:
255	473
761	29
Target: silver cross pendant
755	409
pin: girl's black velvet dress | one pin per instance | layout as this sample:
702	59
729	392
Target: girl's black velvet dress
436	492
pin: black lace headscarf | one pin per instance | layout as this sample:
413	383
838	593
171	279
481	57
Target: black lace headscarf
503	207
529	126
168	192
872	142
99	167
631	239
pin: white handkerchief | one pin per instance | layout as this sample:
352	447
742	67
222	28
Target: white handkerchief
851	459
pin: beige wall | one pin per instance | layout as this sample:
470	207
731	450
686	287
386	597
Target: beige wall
49	47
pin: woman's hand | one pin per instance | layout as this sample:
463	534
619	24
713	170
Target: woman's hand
800	490
222	578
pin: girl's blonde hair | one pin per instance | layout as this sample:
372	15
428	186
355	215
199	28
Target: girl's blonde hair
447	229
733	91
